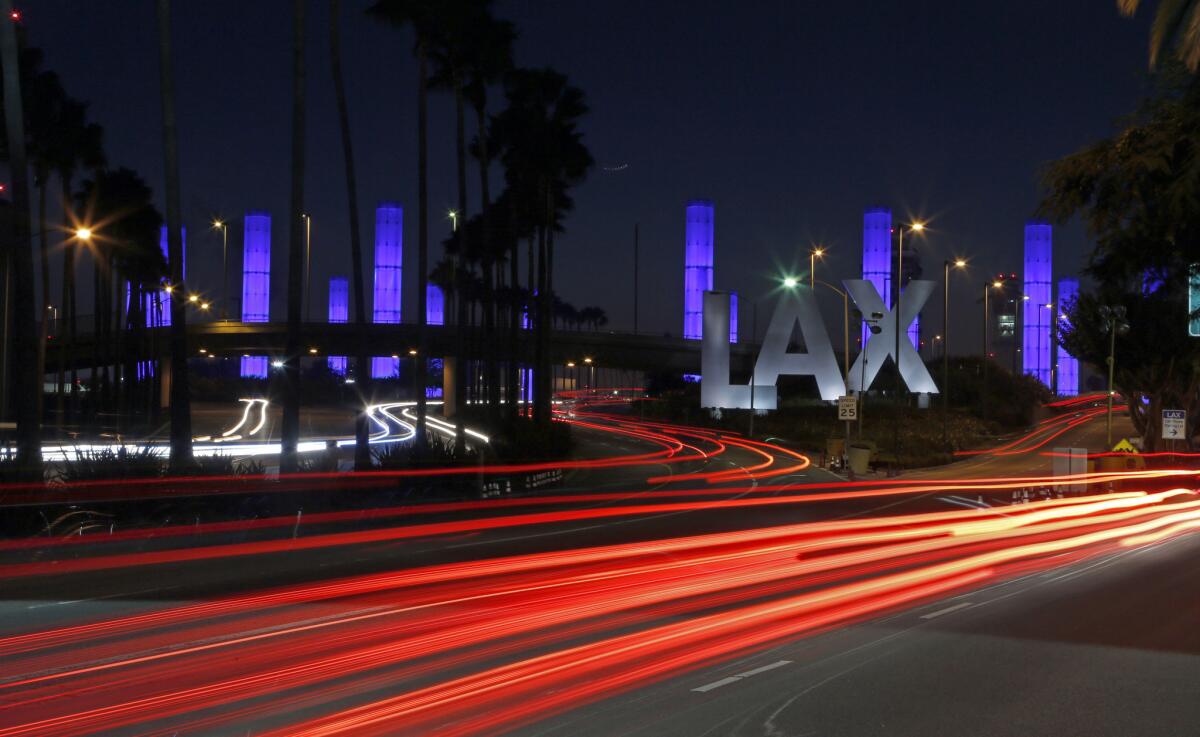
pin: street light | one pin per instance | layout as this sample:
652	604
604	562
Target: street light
873	326
307	267
790	282
997	284
1114	322
815	254
916	227
84	234
223	226
453	215
960	264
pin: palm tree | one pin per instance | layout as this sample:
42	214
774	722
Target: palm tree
1175	22
418	14
290	430
488	57
28	384
181	413
544	155
362	449
80	146
126	241
45	99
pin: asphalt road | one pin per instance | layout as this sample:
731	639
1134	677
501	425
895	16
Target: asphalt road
1106	648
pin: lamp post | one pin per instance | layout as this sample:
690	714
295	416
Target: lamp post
872	327
813	255
224	228
916	227
845	329
1114	323
307	267
845	340
958	263
983	394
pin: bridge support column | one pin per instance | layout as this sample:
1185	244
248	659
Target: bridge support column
449	381
164	382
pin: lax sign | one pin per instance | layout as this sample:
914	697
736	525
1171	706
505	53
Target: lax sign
798	307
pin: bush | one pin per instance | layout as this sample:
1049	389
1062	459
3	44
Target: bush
438	451
107	464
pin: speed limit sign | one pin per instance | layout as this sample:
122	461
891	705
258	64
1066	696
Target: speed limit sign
847	408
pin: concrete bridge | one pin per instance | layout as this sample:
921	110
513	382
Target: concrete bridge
231	339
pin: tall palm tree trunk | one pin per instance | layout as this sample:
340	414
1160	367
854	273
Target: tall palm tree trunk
362	448
492	344
181	412
290	431
69	314
29	451
422	238
44	306
460	386
514	323
542	382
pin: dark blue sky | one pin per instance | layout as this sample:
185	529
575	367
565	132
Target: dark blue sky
790	116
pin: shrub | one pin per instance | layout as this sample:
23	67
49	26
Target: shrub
105	464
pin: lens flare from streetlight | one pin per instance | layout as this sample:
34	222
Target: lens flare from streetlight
790	282
960	263
83	234
917	227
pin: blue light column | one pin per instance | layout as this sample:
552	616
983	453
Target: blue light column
339	312
435	305
1035	328
1068	367
697	266
389	277
256	283
877	255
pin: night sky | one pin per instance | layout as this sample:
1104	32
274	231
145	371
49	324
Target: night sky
790	116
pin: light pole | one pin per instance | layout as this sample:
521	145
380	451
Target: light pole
307	267
916	227
983	391
224	228
591	372
898	281
873	327
813	255
958	263
1114	322
845	329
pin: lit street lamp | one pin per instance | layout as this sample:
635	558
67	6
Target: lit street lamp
813	255
223	226
958	263
983	394
916	227
307	267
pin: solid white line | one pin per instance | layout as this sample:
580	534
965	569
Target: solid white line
947	610
734	679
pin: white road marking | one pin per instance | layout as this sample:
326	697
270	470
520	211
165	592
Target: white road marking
947	610
734	679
